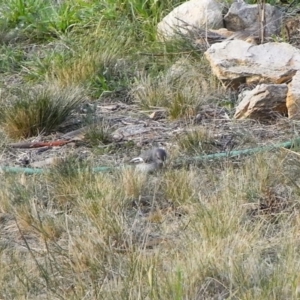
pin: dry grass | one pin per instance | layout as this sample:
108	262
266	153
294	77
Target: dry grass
99	134
197	141
192	234
182	89
98	61
222	229
39	110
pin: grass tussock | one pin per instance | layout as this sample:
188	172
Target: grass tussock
99	135
181	89
97	60
196	141
38	111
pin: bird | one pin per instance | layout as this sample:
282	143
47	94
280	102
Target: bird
151	160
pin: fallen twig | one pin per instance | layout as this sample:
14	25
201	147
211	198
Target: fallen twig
40	144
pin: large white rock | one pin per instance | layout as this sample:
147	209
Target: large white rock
239	62
262	103
293	97
189	16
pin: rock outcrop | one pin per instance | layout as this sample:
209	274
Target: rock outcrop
238	55
245	17
236	62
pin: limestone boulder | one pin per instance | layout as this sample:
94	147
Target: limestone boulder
190	16
264	102
293	97
245	17
238	62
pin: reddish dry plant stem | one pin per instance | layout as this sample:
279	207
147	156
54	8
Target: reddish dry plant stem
40	144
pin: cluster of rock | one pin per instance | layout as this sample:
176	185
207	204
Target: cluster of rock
239	58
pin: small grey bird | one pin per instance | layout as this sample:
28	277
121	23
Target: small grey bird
151	160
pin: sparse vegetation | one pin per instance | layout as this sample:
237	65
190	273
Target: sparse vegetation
99	135
181	89
197	142
225	229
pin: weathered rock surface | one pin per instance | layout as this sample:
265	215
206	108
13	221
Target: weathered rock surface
242	16
238	62
293	97
232	35
264	102
129	131
190	16
204	38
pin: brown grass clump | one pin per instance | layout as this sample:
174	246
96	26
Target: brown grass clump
39	111
180	90
197	141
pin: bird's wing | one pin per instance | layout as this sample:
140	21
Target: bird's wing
149	155
137	160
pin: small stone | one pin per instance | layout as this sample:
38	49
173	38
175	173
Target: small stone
293	98
157	115
263	102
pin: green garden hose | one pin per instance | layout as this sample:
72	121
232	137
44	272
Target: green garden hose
230	154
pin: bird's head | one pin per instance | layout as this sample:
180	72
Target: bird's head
160	155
